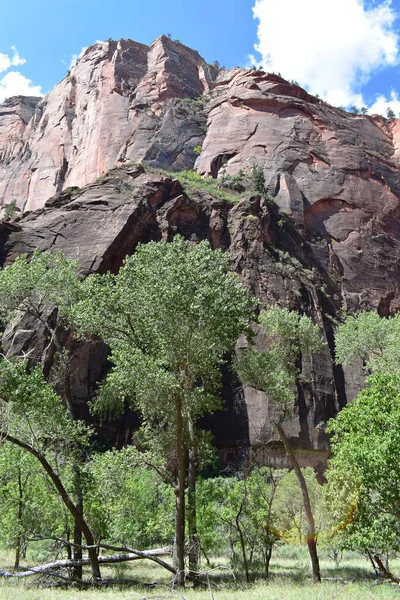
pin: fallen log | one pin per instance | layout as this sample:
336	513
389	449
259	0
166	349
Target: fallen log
112	559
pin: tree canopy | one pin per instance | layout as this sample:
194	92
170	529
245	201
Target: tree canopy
170	316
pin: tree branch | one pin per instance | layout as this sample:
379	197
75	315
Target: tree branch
116	558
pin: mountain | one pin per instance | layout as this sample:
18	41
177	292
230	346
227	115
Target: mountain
87	166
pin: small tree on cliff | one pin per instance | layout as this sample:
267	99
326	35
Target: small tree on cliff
275	372
170	316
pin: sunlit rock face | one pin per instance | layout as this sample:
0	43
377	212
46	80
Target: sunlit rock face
328	243
122	102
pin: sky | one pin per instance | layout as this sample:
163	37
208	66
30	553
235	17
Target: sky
346	51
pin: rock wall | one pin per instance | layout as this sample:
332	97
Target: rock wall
122	101
103	222
325	239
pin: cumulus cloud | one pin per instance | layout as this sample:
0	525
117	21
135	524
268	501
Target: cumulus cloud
382	104
331	47
7	61
16	84
76	57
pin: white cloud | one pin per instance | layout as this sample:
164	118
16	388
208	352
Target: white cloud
16	84
7	61
332	47
382	104
76	57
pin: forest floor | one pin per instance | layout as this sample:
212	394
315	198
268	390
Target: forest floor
289	580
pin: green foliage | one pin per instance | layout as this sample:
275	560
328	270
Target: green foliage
237	515
126	503
29	506
194	182
197	149
372	339
32	282
364	475
169	316
258	180
390	114
289	508
10	210
274	371
31	411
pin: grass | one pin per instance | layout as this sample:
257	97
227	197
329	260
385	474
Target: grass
290	580
193	182
262	591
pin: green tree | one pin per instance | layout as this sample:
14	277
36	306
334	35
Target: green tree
366	511
241	511
33	418
291	521
275	372
29	505
390	114
258	180
41	288
364	474
170	316
126	502
372	339
10	210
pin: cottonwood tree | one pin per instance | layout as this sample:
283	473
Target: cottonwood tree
127	502
170	316
372	339
275	372
33	418
364	474
29	504
240	511
365	439
40	289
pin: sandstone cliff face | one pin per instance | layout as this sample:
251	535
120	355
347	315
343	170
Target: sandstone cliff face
120	102
103	222
329	242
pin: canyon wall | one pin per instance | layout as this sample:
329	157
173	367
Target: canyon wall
323	239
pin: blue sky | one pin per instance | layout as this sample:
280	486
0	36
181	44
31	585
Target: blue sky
347	51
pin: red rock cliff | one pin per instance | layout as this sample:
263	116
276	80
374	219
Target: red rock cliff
329	243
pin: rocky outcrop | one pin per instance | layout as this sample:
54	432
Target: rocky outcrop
103	222
123	101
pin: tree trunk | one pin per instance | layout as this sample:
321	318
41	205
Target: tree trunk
243	549
311	535
268	555
179	543
77	571
78	517
194	546
19	518
77	551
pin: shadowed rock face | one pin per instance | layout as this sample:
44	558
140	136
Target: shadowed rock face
102	223
330	242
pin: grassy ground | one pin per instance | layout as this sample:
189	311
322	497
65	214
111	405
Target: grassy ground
290	580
